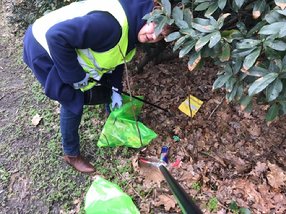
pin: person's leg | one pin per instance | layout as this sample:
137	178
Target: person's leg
69	123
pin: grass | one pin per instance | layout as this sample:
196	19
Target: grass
31	156
197	186
52	182
212	204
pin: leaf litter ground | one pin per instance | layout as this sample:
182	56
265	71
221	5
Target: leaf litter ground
227	154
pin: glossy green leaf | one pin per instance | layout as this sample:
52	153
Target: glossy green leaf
172	36
189	31
258	8
202	6
182	24
239	3
188	17
273	90
230	84
215	38
225	53
221	80
201	21
161	24
282	12
272	16
202	41
212	8
251	59
257	71
276	45
273	28
244	102
271	54
242	52
221	4
166	5
281	4
242	27
228	69
221	19
282	32
201	1
272	112
212	20
187	48
180	42
154	16
239	91
230	95
282	75
261	83
230	35
248	43
194	60
177	14
284	61
203	28
283	106
235	93
256	28
278	63
236	67
275	66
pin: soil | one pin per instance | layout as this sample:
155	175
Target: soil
227	156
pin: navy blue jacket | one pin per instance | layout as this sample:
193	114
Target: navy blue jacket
97	30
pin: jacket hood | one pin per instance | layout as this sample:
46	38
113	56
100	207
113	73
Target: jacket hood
135	10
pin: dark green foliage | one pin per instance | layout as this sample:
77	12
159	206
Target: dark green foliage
22	13
245	37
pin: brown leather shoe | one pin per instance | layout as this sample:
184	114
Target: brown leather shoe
79	163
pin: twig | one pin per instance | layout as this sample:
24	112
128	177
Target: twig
128	184
2	97
195	147
216	108
126	71
129	89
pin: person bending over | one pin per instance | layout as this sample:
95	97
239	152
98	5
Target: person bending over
71	47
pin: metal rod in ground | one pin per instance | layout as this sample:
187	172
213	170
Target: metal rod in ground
145	101
137	98
185	202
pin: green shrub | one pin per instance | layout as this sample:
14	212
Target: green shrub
245	37
20	14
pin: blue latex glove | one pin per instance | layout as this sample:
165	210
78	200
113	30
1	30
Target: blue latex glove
116	100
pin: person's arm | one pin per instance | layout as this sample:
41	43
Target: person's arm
116	77
116	81
99	31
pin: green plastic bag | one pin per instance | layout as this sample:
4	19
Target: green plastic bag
120	128
104	197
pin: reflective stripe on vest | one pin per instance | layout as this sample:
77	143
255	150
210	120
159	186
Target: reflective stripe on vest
92	62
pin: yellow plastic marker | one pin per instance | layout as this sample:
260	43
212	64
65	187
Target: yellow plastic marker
190	106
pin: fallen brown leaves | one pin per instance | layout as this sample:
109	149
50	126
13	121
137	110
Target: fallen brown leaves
167	200
232	155
248	194
276	176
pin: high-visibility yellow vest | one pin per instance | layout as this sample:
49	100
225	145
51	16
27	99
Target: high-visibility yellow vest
95	63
